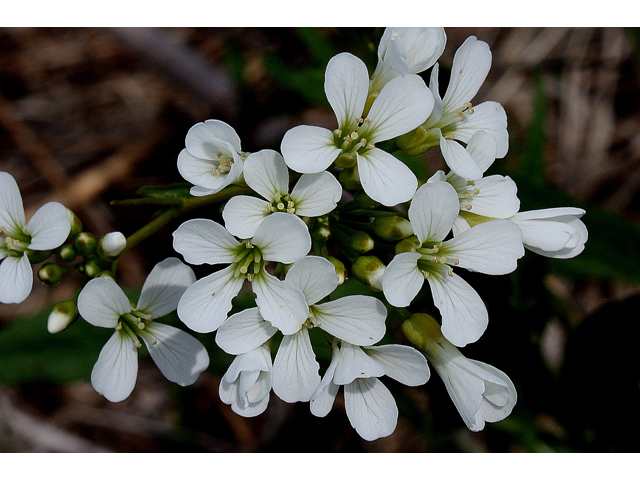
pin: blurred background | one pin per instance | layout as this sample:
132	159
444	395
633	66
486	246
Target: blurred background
88	116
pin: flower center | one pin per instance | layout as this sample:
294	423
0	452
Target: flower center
224	164
133	324
351	139
250	261
434	256
16	244
466	193
450	120
283	203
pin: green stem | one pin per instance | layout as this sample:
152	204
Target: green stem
376	213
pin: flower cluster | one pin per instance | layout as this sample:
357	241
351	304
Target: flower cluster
350	204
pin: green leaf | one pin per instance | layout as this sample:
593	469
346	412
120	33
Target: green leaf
179	190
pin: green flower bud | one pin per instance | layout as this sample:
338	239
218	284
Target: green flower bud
321	233
93	268
107	274
361	242
50	274
346	160
76	225
369	270
421	329
85	243
64	313
350	179
418	141
67	253
392	228
409	244
340	270
112	244
362	200
38	256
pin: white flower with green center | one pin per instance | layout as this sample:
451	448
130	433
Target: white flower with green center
247	383
371	409
405	50
480	392
553	232
180	357
357	319
404	103
492	248
212	158
492	197
47	229
266	173
280	238
454	119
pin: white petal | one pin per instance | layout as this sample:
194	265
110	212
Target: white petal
385	178
499	396
201	191
459	226
402	280
497	198
459	160
283	238
204	305
434	87
483	149
489	117
244	331
346	84
11	207
371	408
550	214
464	315
355	363
280	303
316	194
471	64
102	302
295	369
204	241
433	210
402	363
164	286
465	391
324	396
179	356
410	49
357	319
49	227
315	276
492	248
553	232
266	173
199	171
199	137
243	215
17	279
308	149
114	374
403	104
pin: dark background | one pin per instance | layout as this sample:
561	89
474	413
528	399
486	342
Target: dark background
88	116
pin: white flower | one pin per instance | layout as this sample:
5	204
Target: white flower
553	232
454	119
402	105
247	383
280	238
212	158
180	357
357	319
267	174
407	50
493	197
480	392
47	229
113	243
370	407
491	248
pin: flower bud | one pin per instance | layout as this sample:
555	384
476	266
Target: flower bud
85	243
38	256
420	329
64	313
361	242
67	253
50	274
112	244
321	233
340	270
76	224
418	141
369	270
392	228
106	274
346	160
362	200
93	268
350	179
409	244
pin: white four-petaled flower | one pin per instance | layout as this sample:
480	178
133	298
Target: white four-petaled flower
402	105
47	229
179	356
266	173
